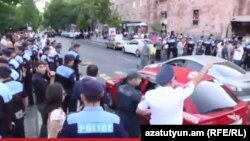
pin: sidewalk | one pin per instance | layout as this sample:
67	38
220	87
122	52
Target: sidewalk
99	40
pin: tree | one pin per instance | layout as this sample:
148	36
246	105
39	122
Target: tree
28	13
7	14
156	27
84	13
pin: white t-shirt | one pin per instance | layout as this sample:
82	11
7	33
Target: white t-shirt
166	104
52	51
56	115
238	53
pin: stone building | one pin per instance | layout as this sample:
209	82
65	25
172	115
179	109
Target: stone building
192	17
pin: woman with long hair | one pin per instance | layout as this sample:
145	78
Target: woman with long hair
56	116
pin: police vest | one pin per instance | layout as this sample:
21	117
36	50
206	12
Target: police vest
14	64
16	89
14	75
93	122
19	59
171	43
74	53
63	74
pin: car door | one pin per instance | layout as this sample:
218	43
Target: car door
177	62
131	46
192	65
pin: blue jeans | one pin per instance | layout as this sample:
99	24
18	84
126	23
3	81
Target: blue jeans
237	62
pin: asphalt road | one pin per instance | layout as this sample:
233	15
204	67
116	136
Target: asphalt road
110	62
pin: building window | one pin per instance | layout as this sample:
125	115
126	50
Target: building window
196	14
134	4
164	15
141	3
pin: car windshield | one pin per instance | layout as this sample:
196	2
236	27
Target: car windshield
227	69
148	41
210	96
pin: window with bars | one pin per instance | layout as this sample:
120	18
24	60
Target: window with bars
196	14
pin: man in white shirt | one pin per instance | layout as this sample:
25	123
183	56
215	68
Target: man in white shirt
165	103
238	54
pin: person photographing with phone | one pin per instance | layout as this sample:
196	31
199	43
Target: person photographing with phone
41	80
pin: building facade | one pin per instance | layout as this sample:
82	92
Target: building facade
192	17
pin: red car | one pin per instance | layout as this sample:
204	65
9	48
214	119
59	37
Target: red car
211	102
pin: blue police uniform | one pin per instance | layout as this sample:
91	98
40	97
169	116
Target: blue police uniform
58	59
5	109
92	122
76	62
190	47
66	76
172	48
76	91
207	44
18	94
14	75
17	67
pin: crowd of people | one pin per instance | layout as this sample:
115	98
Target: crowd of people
235	49
33	71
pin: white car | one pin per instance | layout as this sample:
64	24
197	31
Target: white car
74	34
65	34
135	46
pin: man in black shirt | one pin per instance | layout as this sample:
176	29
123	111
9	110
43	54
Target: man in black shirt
40	83
20	100
75	52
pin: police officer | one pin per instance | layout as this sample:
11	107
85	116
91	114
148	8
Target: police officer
190	47
92	72
40	82
75	52
92	121
45	58
172	47
66	76
20	101
14	74
207	44
247	58
12	62
5	110
58	59
27	72
128	99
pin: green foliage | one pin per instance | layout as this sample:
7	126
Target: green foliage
156	27
17	16
62	13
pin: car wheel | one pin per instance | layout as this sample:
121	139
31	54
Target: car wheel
123	50
137	53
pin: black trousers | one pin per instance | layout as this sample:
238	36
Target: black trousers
28	87
131	124
247	63
43	131
158	55
19	129
174	52
190	51
69	104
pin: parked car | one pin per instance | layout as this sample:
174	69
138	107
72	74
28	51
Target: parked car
135	46
116	44
65	34
50	34
211	103
225	71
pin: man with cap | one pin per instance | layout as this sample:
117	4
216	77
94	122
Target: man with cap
75	52
128	100
91	72
14	74
40	83
165	103
190	46
20	100
66	76
58	59
5	110
7	54
92	121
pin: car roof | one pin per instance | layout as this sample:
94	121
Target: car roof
181	74
202	59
